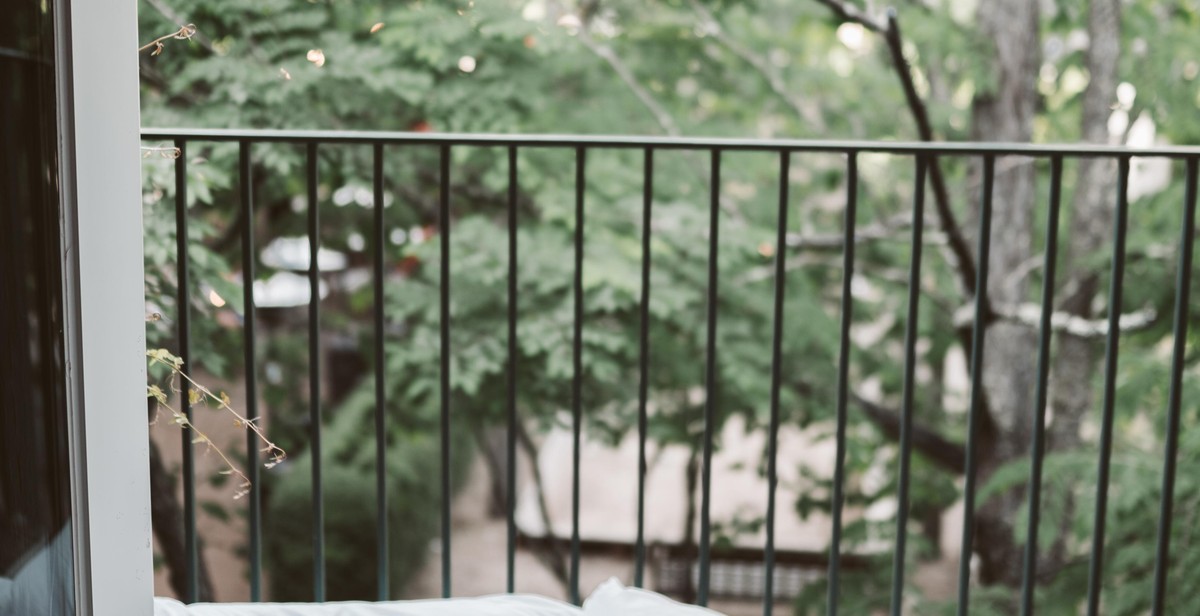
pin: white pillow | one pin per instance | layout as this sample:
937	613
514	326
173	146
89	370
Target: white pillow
615	599
497	605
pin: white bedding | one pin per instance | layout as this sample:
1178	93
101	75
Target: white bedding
615	599
498	605
609	599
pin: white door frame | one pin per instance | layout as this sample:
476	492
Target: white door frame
102	231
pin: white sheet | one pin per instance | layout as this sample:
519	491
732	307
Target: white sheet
498	605
609	599
612	598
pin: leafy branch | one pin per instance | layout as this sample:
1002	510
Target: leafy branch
196	394
606	53
772	77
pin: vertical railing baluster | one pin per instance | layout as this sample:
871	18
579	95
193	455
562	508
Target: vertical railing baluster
906	409
245	176
847	306
1120	224
511	469
710	379
184	334
785	163
444	375
577	378
1038	447
979	327
382	568
314	376
1187	238
643	367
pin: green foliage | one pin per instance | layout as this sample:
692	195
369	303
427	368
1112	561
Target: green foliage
863	591
414	506
1130	543
532	73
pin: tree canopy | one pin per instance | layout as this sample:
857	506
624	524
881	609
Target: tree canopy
767	68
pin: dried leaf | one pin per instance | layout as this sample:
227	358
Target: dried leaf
156	392
166	357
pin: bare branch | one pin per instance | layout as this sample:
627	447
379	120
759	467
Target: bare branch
168	153
938	449
170	13
604	52
184	33
957	243
834	242
849	12
771	76
551	552
1029	314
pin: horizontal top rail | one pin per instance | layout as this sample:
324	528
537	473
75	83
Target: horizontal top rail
668	143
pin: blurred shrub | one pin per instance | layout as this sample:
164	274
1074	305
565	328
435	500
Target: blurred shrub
414	507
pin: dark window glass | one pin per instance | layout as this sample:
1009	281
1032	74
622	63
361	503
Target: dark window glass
35	514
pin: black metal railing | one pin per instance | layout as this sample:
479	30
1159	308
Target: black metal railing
922	155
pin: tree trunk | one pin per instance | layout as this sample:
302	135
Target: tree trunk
1091	221
691	481
167	519
552	553
1010	378
1006	114
492	442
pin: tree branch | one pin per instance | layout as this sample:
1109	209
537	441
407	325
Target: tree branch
957	242
552	554
772	77
156	46
890	30
947	454
1029	314
660	113
166	516
604	52
166	11
851	13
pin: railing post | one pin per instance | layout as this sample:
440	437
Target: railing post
314	374
1183	285
444	375
910	367
577	373
847	307
781	219
1112	340
643	366
382	542
246	187
710	377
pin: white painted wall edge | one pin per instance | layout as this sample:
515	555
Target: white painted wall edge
104	91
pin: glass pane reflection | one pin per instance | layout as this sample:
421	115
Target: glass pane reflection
35	514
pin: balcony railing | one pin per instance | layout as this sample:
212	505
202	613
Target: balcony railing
922	156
